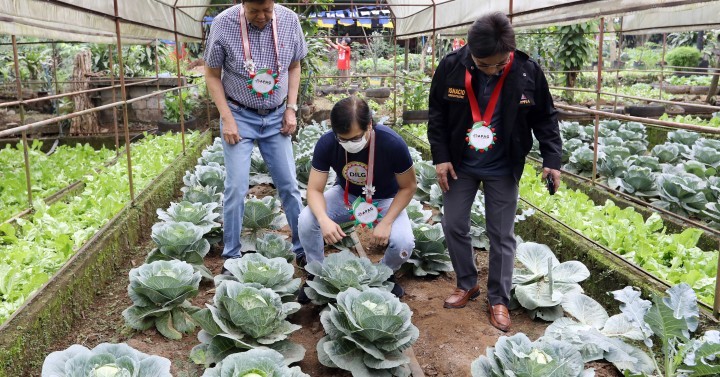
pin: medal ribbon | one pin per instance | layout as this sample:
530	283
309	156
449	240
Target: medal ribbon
246	39
490	110
369	179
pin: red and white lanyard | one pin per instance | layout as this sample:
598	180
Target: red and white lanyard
370	171
249	63
490	109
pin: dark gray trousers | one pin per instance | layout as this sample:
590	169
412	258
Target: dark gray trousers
501	196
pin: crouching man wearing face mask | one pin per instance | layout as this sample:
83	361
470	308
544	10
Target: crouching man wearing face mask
375	182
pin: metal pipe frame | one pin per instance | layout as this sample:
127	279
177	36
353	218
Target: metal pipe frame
641	71
179	79
114	99
598	87
698	105
26	155
123	96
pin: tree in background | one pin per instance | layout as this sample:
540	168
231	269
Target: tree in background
575	50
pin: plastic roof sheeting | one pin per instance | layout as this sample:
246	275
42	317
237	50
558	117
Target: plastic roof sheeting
93	20
454	16
687	18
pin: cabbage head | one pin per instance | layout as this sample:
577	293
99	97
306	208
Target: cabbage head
200	214
210	175
518	356
258	362
274	245
105	360
430	256
202	194
244	317
341	271
276	274
181	241
367	332
159	292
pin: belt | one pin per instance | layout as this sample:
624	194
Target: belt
257	111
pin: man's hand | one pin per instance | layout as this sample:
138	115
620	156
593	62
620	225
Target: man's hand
381	232
230	131
442	171
555	174
331	231
289	122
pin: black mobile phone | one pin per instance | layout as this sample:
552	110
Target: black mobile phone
550	184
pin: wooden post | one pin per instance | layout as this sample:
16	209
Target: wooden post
598	89
26	156
123	96
179	80
114	99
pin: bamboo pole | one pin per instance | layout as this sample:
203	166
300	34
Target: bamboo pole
26	156
123	96
598	88
114	99
179	81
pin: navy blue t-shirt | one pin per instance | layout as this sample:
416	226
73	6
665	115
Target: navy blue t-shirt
391	157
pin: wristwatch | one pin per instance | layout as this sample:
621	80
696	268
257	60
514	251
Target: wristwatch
292	106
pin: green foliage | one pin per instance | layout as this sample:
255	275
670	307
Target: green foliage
684	56
244	317
273	273
41	243
341	271
180	241
416	93
254	363
575	48
367	332
199	214
172	105
540	44
105	360
159	292
430	256
274	245
48	173
644	56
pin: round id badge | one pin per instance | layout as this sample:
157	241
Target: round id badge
481	137
263	83
364	213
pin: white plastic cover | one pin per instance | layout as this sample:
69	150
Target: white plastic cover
454	16
92	20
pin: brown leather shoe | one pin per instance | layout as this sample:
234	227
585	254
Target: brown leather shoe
499	317
460	297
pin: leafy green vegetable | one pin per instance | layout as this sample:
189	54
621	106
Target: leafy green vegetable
274	245
367	332
430	256
199	214
256	362
275	273
159	292
105	360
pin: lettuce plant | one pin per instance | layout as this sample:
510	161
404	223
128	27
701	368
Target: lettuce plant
518	356
202	215
256	362
275	273
430	256
105	360
212	174
542	281
367	332
159	292
182	241
244	317
274	245
341	271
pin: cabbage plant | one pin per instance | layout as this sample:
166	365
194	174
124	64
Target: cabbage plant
581	161
212	155
518	356
568	147
259	215
417	214
256	362
430	256
707	155
212	174
341	271
712	212
159	292
200	214
668	153
571	130
259	172
613	169
274	245
639	181
649	162
542	281
181	241
105	360
275	273
243	317
367	332
202	194
684	137
681	194
426	178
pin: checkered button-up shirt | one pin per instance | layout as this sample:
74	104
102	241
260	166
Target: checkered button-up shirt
225	50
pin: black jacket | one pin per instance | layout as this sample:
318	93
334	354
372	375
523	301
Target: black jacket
450	114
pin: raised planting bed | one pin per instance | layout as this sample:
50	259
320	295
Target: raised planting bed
49	313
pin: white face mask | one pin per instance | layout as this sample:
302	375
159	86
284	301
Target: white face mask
354	146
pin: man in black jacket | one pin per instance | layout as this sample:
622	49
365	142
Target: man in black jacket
485	100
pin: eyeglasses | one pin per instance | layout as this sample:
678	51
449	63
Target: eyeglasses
355	139
499	65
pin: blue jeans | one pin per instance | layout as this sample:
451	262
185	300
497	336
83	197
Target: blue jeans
400	245
277	152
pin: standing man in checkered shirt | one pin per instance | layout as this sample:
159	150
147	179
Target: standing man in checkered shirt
252	69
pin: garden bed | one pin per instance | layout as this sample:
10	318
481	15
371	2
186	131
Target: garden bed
50	313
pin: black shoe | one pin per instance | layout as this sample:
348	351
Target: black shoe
300	260
397	290
302	297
